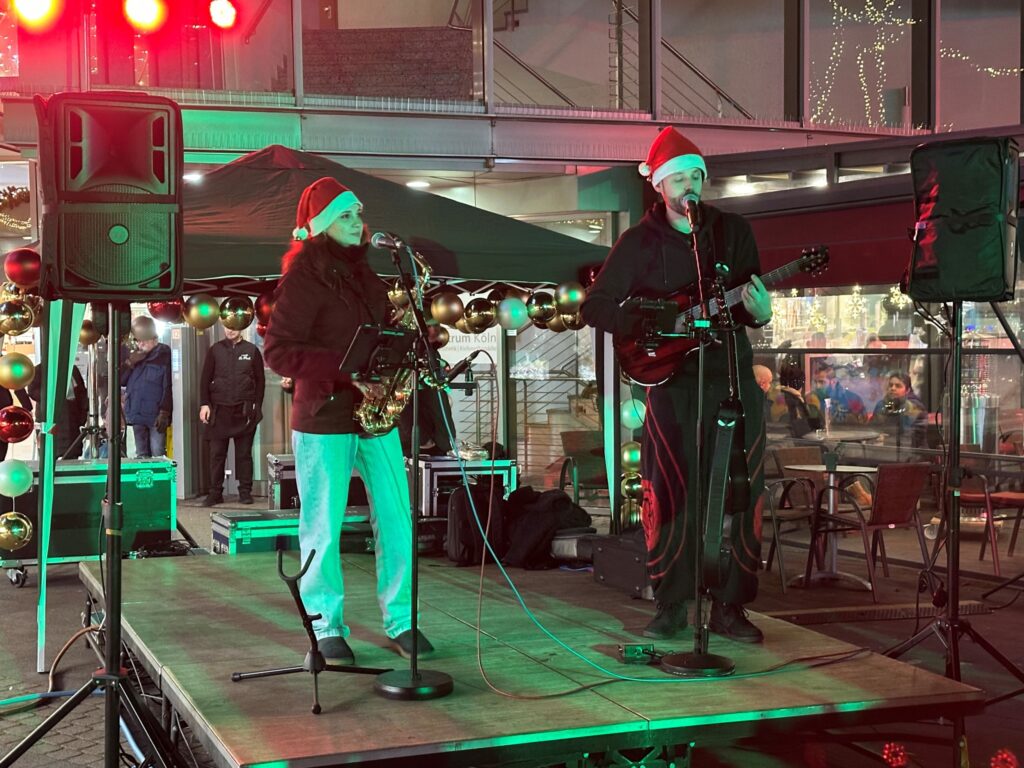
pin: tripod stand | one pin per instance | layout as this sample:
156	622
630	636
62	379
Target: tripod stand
120	697
951	627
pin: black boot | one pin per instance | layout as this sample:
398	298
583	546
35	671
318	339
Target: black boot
731	621
213	499
667	622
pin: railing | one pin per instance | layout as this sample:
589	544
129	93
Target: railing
679	92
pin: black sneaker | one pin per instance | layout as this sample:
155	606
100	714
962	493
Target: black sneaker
731	621
213	500
245	498
336	651
403	645
668	621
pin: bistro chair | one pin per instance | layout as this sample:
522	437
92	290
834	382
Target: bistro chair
583	466
775	492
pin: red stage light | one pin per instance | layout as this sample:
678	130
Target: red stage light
37	15
145	15
223	13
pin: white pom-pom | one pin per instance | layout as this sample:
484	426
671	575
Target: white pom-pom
645	169
300	233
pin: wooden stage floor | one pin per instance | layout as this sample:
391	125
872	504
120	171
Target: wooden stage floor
192	621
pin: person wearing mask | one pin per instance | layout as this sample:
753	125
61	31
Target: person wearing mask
327	290
231	405
146	383
656	258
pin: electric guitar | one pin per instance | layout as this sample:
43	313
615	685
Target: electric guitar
652	357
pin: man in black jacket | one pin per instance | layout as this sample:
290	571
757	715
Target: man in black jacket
656	258
231	405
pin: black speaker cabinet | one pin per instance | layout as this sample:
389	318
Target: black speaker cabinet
111	166
965	238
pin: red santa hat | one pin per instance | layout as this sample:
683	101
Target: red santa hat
671	152
321	204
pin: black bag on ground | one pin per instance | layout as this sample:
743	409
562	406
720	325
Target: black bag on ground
465	542
532	518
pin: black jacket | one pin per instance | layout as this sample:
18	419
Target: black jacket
325	293
232	374
653	259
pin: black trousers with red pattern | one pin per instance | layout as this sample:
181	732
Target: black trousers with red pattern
668	509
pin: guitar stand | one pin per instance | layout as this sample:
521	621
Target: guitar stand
314	663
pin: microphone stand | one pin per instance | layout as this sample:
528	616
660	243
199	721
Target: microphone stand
414	684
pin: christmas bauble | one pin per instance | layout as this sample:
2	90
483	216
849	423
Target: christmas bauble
16	370
447	307
512	314
15	531
264	305
480	315
630	456
569	296
201	311
541	306
16	424
89	334
22	267
16	317
15	477
169	311
237	313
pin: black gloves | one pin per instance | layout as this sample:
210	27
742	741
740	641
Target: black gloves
163	420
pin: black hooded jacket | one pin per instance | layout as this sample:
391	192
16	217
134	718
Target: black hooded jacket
655	260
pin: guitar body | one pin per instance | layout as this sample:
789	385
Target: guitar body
650	359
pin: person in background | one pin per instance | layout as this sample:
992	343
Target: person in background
847	407
900	414
73	415
231	390
326	292
146	381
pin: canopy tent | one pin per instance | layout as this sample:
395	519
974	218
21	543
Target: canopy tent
238	223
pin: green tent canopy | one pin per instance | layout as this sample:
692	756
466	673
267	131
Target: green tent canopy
239	218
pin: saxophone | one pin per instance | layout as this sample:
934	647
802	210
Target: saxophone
378	415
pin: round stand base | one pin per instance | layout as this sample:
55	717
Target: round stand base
400	684
697	665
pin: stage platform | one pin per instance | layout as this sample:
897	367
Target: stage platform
192	621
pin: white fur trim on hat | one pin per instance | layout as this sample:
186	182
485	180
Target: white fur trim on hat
328	215
677	164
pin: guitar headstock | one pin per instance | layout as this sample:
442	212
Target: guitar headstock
814	261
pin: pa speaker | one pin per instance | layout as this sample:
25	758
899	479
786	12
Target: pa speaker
965	238
110	166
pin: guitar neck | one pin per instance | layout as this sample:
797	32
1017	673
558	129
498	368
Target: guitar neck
734	295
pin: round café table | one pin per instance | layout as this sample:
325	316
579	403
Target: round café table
832	474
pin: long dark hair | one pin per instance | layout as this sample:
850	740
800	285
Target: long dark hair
331	264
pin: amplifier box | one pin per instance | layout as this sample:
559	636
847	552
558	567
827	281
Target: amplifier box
148	496
440	475
261	531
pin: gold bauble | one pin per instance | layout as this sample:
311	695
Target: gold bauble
89	334
631	486
201	311
397	294
630	456
36	303
438	335
541	306
9	291
557	324
16	317
573	322
569	296
460	325
16	370
480	315
237	313
447	308
15	531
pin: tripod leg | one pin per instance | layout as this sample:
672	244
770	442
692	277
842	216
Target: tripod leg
977	637
161	752
44	727
1007	583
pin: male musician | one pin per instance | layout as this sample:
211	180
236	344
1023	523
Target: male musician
327	290
656	258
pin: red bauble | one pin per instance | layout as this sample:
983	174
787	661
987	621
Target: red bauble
15	424
169	311
261	329
264	303
22	266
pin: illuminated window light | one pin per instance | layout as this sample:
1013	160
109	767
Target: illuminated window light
37	15
417	184
223	13
145	15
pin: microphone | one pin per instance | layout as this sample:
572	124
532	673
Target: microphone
460	367
387	240
690	201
